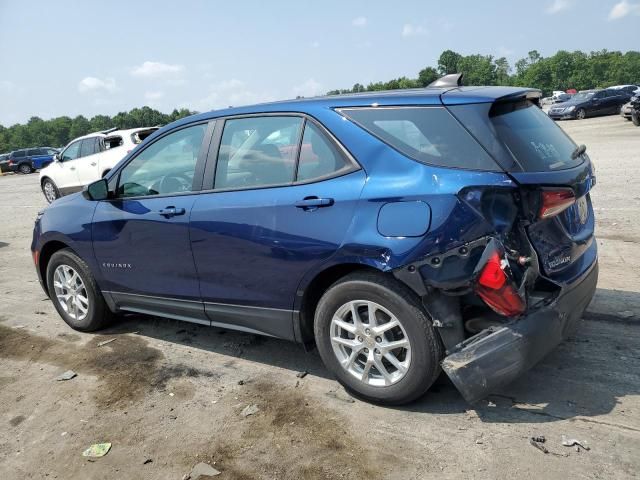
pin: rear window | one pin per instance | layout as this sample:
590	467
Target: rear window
113	142
429	135
139	136
534	141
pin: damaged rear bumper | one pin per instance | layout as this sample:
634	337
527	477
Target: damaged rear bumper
498	355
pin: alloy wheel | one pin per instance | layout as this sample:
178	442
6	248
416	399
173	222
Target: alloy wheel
71	292
370	343
49	191
581	114
24	169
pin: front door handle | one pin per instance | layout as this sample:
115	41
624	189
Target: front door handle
93	164
312	203
169	212
72	168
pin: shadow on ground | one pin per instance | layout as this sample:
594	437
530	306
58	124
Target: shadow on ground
583	377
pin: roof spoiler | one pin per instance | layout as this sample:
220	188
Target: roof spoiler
452	80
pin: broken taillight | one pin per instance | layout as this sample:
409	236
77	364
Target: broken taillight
497	289
552	202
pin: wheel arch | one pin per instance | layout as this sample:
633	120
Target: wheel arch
309	295
46	252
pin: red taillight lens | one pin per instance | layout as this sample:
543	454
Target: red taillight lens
497	290
552	202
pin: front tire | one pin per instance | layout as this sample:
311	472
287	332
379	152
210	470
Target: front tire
635	118
74	292
581	114
375	337
50	190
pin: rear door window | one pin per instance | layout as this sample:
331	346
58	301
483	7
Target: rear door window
88	147
534	141
258	152
429	135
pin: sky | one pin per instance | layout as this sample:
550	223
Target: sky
88	57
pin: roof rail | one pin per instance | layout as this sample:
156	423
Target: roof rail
452	80
109	130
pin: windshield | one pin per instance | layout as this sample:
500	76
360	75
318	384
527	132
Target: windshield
535	141
580	97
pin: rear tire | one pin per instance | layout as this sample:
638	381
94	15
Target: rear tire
373	368
74	292
25	168
50	190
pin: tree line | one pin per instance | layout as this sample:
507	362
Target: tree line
57	132
561	71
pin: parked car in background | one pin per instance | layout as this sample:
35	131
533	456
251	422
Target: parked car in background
563	97
627	109
88	158
400	232
28	160
630	89
590	103
4	163
635	110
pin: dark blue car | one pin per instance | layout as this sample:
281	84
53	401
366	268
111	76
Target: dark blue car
402	232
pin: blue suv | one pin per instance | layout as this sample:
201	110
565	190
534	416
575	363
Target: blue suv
402	232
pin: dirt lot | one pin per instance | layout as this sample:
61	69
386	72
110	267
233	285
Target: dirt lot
168	395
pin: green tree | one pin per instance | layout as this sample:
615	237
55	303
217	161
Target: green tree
427	75
448	62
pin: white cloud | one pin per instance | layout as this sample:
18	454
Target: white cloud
231	92
157	95
410	30
359	22
94	84
622	9
315	44
310	88
156	69
558	6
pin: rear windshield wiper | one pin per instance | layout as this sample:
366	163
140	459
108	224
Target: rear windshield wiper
579	151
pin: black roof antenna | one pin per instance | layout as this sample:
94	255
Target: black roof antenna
452	80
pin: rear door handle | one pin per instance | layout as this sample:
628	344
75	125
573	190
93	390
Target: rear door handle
312	203
93	164
169	212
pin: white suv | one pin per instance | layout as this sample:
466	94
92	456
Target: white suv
87	159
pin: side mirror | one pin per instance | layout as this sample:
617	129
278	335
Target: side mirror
98	190
56	157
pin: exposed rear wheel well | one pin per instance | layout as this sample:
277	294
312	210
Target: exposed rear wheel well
45	255
314	291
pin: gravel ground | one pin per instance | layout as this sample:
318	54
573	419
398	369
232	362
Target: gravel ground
168	395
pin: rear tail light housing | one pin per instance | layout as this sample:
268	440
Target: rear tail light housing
553	202
495	286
